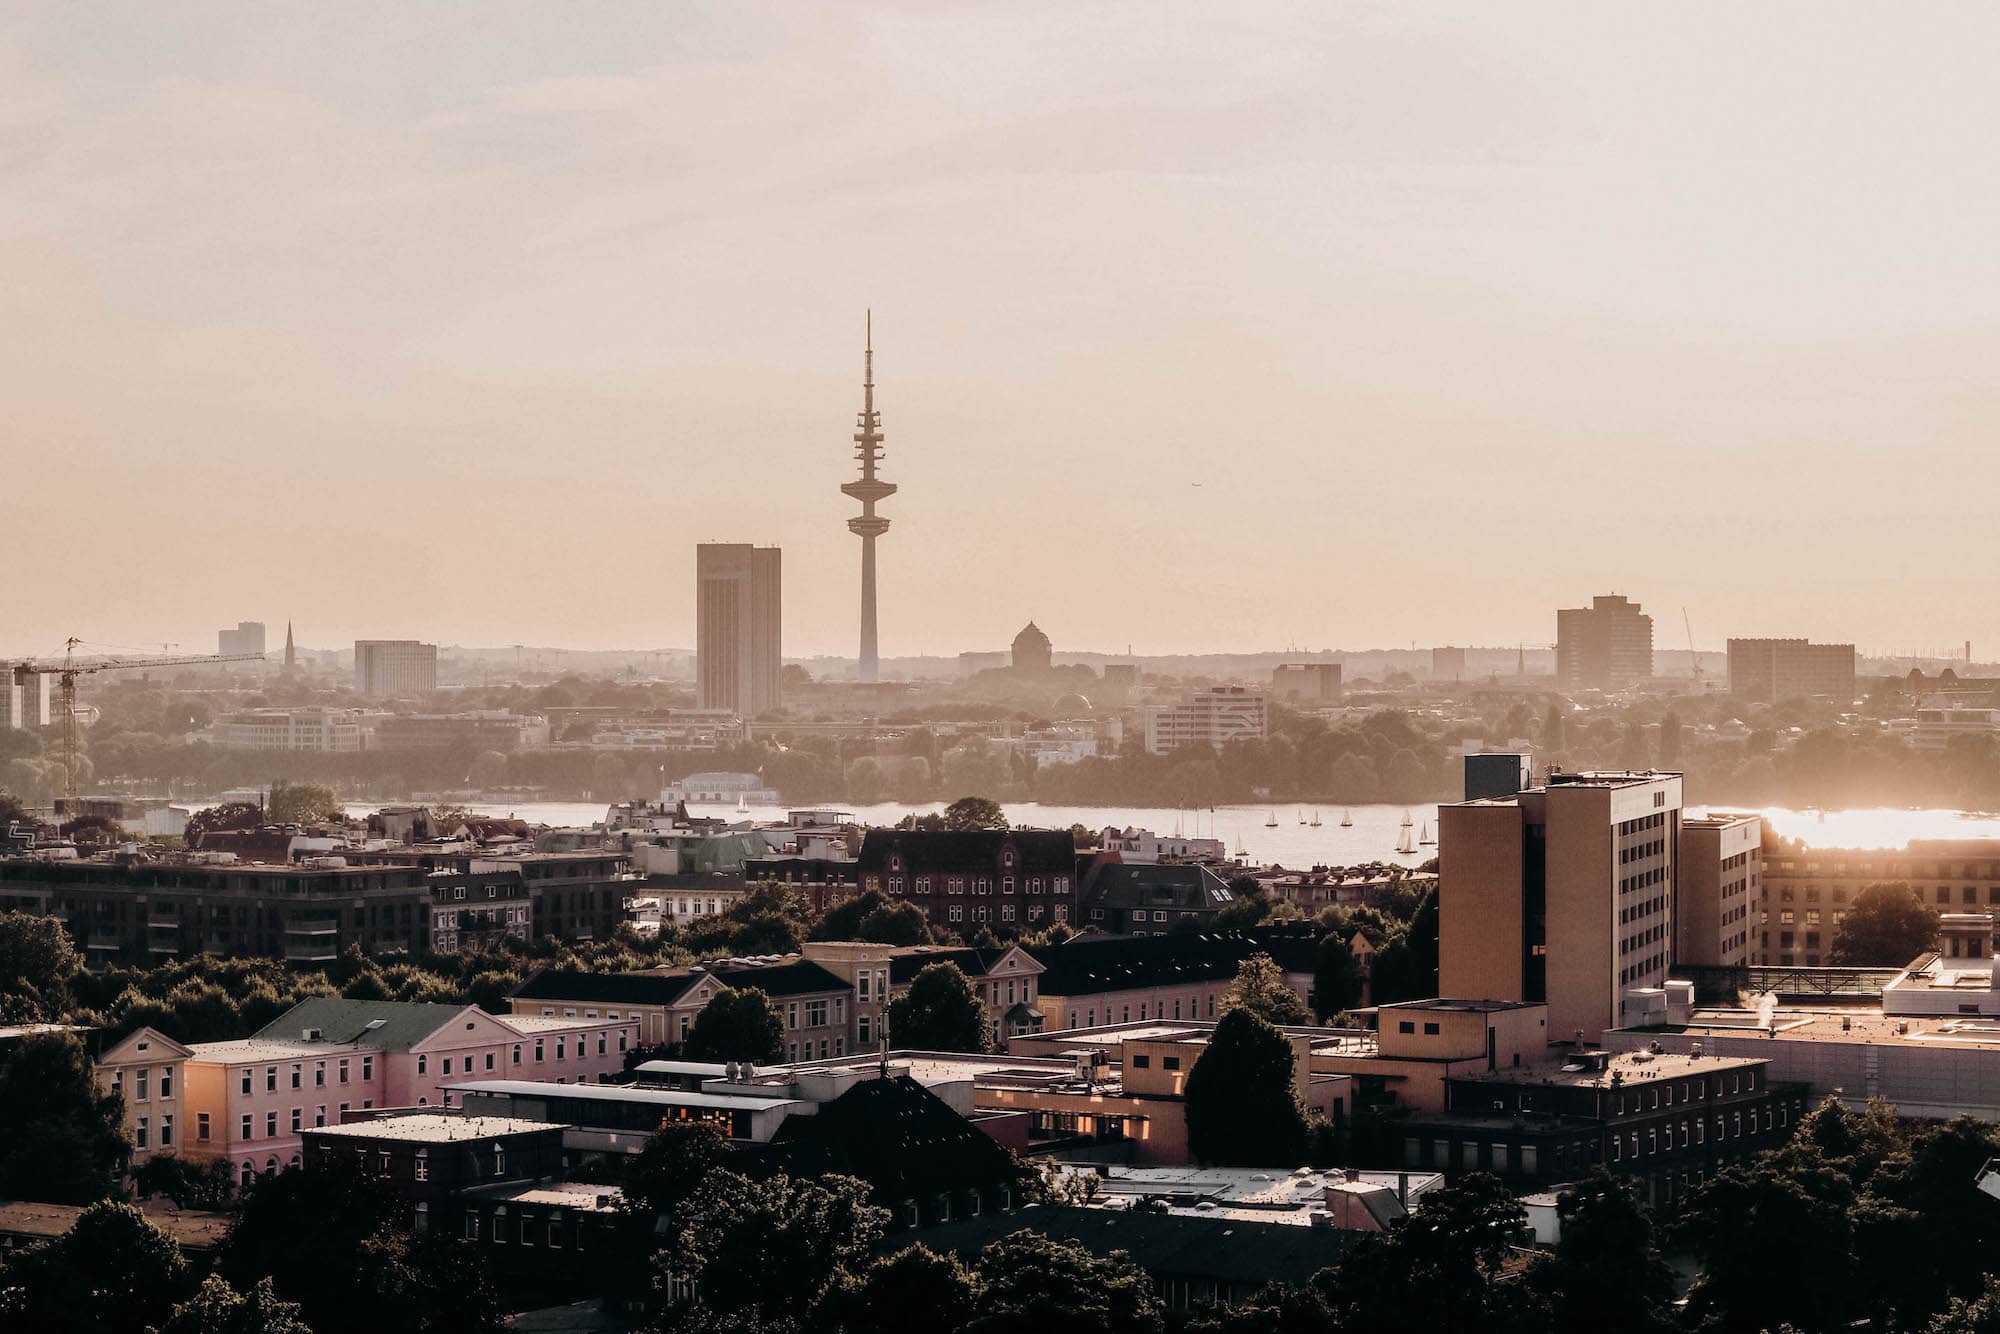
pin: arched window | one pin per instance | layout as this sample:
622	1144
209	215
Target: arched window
249	1173
271	1166
295	1161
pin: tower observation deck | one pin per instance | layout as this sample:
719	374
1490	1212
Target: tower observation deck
868	525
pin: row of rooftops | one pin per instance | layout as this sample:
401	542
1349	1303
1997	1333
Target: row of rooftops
320	1025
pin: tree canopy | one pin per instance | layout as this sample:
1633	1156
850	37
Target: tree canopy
1242	1104
940	1012
37	961
738	1024
1886	925
61	1140
1032	1285
968	813
1260	987
115	1269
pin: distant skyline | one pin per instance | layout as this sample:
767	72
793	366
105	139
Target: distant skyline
1199	329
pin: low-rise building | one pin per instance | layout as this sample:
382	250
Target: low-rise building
1013	879
1212	716
1807	890
1418	1045
1089	981
1143	845
148	1070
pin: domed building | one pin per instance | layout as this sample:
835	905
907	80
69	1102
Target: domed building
1032	652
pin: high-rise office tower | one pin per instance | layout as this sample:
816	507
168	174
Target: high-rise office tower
868	525
739	622
1563	893
1607	645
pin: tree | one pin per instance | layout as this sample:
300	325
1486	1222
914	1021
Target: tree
115	1269
1032	1285
1606	1272
864	781
1887	925
972	813
331	1239
1336	977
1439	1268
37	961
217	1308
1260	988
667	1169
897	923
1978	1315
232	815
1670	740
302	803
760	1254
940	1012
61	1140
914	1282
189	1183
1242	1102
739	1024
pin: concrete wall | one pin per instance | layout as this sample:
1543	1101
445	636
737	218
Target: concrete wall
1480	869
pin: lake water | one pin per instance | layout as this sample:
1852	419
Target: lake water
1372	836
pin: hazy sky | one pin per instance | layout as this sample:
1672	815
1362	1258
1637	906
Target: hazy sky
1198	326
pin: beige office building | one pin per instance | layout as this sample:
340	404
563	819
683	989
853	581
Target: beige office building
1605	646
1718	904
1562	894
739	616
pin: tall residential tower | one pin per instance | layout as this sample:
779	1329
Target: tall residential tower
739	627
868	525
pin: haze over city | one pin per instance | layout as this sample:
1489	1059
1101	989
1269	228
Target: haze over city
1196	329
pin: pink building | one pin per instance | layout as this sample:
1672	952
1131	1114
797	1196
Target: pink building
248	1101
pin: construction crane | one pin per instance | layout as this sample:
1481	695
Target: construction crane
66	673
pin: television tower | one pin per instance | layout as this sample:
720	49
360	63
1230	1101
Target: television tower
868	525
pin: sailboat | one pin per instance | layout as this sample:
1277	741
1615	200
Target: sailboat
1403	843
1302	815
1424	839
1407	822
1347	820
1272	823
1315	819
742	801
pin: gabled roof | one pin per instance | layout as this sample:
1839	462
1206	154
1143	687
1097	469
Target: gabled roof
1228	1250
783	979
381	1025
899	1137
1090	965
145	1043
1187	886
906	964
1046	851
607	988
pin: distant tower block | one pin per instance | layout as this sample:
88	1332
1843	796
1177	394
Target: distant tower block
868	525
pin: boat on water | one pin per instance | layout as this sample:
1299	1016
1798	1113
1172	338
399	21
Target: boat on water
1315	819
1346	820
1424	839
1403	843
1302	815
1407	821
1272	823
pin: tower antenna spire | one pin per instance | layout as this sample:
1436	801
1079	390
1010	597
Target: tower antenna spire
868	489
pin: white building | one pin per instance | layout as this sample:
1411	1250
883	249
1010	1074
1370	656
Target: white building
1938	722
394	667
334	731
714	789
1143	845
1212	716
1058	745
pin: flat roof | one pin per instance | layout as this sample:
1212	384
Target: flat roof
535	1088
1847	1024
1465	1006
433	1128
269	1049
1635	1067
580	1195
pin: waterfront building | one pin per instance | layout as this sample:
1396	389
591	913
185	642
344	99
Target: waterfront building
1605	646
739	627
869	489
312	728
1015	879
1143	845
1770	670
1211	716
394	667
1561	894
1807	891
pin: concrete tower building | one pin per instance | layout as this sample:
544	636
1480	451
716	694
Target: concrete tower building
1607	645
739	627
868	525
